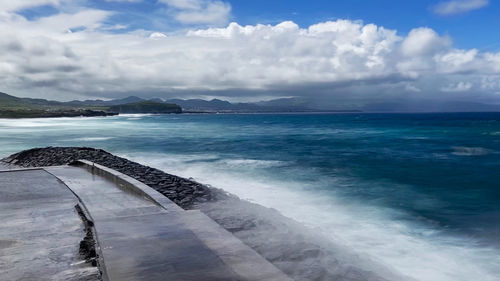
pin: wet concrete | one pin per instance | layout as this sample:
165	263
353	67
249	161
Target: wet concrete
40	230
140	234
144	239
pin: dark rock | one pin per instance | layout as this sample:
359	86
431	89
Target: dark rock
184	192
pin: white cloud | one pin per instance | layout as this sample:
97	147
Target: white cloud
10	6
90	19
212	12
184	4
412	88
459	6
335	59
157	35
458	87
423	41
131	1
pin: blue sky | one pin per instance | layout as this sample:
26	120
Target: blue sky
473	29
340	52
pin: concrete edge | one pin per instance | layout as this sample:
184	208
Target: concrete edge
100	261
100	257
20	169
242	259
130	184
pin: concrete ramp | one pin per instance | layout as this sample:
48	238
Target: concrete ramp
144	236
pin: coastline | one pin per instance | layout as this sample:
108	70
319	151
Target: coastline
303	255
22	114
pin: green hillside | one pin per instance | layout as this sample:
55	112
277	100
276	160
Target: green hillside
12	103
14	107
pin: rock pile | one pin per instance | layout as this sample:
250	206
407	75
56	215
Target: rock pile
185	193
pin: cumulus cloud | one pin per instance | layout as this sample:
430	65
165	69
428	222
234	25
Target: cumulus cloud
335	60
459	6
199	11
422	42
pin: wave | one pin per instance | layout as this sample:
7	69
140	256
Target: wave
90	139
415	138
136	115
32	123
253	163
56	122
470	151
416	250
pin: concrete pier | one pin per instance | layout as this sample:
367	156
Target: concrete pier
141	235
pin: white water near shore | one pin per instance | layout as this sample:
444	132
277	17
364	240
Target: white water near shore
414	250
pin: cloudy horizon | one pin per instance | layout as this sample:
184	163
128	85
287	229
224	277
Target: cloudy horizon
64	50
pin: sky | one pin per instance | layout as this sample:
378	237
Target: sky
350	52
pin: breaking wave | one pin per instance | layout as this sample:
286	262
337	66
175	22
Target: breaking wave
415	250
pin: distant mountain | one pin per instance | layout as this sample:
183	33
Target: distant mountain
157	100
199	104
14	107
11	101
146	107
190	105
294	104
130	99
278	105
285	102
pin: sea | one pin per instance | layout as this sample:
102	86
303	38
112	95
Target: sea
418	193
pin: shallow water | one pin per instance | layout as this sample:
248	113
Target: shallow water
417	192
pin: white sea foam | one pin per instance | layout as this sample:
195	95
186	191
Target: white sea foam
89	139
32	123
136	115
470	151
417	251
52	122
253	163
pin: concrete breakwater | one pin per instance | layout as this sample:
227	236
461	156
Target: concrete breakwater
299	252
130	232
183	192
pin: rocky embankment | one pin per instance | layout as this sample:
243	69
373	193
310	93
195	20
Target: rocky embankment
301	253
183	192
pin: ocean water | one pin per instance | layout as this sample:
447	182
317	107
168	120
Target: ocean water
419	193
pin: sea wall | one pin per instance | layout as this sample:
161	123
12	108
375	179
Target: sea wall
183	192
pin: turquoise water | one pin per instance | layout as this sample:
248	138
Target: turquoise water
417	192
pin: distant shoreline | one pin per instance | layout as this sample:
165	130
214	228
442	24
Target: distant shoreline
22	114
